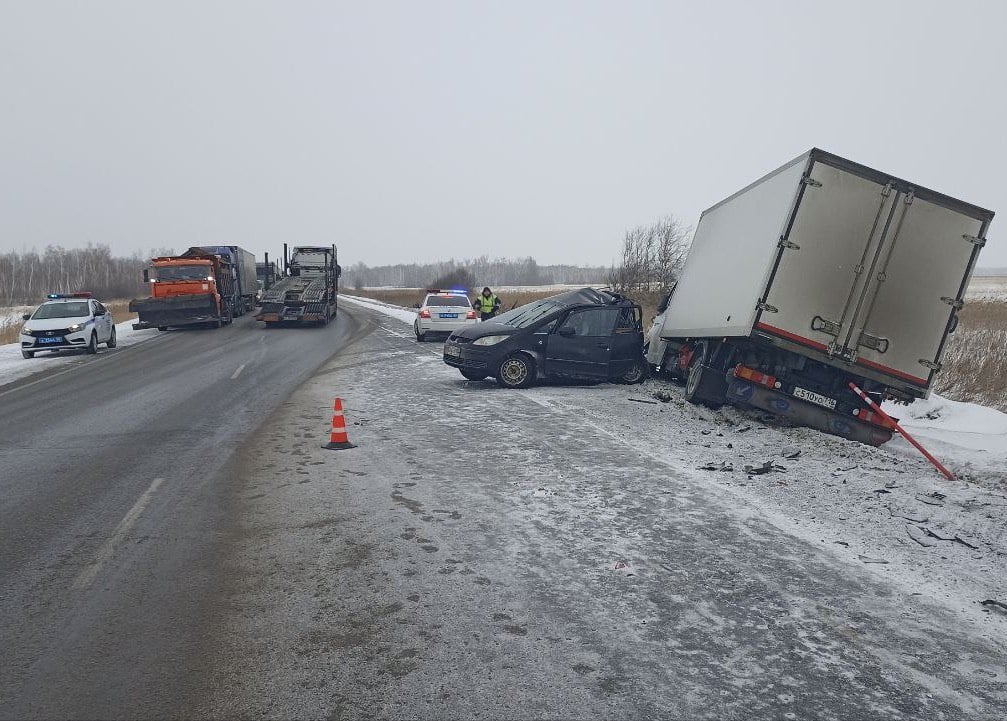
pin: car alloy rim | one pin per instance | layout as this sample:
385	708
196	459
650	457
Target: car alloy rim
514	371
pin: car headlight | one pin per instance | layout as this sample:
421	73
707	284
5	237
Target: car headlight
25	330
490	339
75	327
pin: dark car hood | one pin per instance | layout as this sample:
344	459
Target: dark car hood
480	330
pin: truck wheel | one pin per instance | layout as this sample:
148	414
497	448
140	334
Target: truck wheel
516	371
694	374
92	346
162	328
473	375
27	354
111	339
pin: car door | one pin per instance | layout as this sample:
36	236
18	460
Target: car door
627	340
102	321
581	344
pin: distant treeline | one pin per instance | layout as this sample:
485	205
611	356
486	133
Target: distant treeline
26	277
486	271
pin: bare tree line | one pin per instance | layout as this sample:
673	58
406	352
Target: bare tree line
26	277
652	256
485	271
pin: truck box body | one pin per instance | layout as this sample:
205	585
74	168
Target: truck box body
243	263
828	258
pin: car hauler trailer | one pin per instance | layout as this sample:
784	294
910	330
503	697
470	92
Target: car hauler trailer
822	273
308	292
246	286
196	287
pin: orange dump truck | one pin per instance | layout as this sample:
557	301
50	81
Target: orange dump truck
196	287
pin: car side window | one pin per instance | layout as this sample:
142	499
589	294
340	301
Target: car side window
627	322
94	307
592	322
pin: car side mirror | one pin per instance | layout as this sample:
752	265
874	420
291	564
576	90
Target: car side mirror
26	316
567	331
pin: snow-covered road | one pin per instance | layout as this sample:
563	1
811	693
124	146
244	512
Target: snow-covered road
565	552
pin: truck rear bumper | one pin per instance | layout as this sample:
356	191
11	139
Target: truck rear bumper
741	392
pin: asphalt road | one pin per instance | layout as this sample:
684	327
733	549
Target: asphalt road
177	544
115	481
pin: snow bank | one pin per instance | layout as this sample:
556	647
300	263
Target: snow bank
403	314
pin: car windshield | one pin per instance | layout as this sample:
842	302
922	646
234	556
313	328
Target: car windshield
61	310
527	314
182	272
451	301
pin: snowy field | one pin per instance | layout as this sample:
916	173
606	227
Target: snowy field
885	510
987	288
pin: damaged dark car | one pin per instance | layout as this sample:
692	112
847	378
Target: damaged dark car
584	334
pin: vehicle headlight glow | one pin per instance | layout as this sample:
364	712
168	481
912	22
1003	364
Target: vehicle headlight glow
490	339
25	330
75	327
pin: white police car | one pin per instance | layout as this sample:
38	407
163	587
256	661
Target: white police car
64	321
443	311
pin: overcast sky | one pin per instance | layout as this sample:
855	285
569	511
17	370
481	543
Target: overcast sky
417	131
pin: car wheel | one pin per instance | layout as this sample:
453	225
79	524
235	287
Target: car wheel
92	346
111	339
516	371
27	354
474	375
421	337
637	373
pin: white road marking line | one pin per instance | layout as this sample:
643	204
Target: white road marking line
238	372
104	553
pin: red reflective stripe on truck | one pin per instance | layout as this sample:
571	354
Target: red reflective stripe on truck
792	336
821	346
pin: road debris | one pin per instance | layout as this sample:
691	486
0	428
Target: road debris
641	400
623	568
767	467
714	466
792	454
918	535
993	604
931	499
868	559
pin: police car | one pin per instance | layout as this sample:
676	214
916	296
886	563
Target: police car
443	311
64	321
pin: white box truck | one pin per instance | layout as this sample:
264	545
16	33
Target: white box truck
822	273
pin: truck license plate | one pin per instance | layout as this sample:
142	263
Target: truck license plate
815	398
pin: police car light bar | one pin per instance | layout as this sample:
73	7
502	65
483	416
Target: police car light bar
58	296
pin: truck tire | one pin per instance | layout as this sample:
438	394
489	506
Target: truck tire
92	346
694	374
516	371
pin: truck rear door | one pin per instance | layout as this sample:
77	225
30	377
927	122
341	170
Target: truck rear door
869	272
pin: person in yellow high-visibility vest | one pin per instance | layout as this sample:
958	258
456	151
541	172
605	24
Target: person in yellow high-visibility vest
486	304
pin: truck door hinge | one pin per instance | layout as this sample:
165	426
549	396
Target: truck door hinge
956	304
910	196
847	354
787	245
974	240
762	305
873	342
811	181
825	326
930	364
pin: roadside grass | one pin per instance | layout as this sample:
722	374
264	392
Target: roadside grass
10	325
975	359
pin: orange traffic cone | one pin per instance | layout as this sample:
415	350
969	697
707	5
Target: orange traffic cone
338	440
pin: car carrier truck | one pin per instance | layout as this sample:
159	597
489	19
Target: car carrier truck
821	274
246	287
308	291
196	287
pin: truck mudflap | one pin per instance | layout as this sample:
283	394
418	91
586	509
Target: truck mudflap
174	311
741	392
